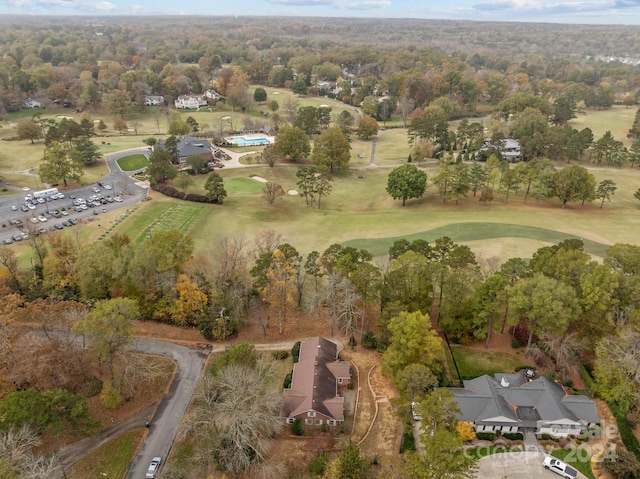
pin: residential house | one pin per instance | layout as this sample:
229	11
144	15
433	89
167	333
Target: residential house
32	103
317	377
212	95
190	146
190	102
512	403
152	100
509	149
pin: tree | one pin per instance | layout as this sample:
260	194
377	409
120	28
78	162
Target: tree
605	190
278	292
313	185
214	187
56	165
636	195
616	368
307	119
182	181
271	155
27	129
405	182
439	455
547	305
117	102
191	305
271	192
331	149
108	328
367	127
237	411
346	121
350	465
292	142
273	105
160	166
120	124
260	95
573	183
198	163
192	123
88	150
414	381
412	341
177	125
477	177
299	87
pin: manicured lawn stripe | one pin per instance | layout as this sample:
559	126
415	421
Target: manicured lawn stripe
474	231
164	217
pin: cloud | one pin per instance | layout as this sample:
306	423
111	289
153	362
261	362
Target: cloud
339	4
554	8
16	3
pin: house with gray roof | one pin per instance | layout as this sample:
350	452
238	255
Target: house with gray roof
510	403
314	394
188	145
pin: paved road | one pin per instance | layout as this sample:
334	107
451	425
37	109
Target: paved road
121	182
173	406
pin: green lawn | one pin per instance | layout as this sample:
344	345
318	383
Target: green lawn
617	120
109	460
133	162
579	458
474	362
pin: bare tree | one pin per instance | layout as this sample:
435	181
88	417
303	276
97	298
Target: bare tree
16	448
271	192
239	408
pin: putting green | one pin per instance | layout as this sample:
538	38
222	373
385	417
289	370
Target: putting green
474	231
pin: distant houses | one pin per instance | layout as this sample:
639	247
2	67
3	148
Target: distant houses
153	100
32	103
314	394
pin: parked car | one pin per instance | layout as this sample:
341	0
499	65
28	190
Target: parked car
42	219
153	467
24	208
414	414
14	208
559	467
8	241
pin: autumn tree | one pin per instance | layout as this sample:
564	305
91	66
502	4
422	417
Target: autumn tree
191	305
367	127
278	292
271	192
27	129
117	102
271	155
119	124
109	330
182	181
331	149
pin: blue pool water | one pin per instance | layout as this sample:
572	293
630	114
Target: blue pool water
243	141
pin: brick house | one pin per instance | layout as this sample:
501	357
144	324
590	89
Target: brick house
317	377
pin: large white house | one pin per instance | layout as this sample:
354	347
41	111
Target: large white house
190	102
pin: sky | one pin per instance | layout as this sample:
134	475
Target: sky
626	12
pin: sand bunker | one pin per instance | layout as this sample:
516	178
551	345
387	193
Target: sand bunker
292	192
260	179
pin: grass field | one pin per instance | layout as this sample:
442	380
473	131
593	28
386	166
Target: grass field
474	362
133	162
109	460
578	458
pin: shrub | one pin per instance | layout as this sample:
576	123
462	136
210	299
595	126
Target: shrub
295	352
408	441
280	355
297	427
486	436
369	340
513	436
621	464
465	431
110	397
516	343
287	380
318	464
626	432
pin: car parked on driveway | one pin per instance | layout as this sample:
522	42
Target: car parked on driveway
559	467
153	467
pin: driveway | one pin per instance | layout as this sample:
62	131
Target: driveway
165	423
515	465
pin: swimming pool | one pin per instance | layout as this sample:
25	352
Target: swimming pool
245	141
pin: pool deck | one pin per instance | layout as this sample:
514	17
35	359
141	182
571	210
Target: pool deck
247	140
